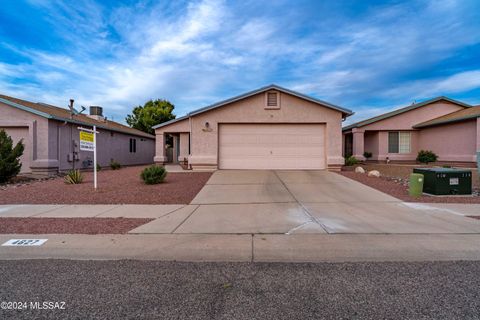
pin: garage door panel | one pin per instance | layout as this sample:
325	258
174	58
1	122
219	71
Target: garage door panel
277	163
275	151
272	146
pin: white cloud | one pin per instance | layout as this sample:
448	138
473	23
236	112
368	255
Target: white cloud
427	88
203	51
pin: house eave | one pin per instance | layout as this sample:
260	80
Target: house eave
27	109
439	123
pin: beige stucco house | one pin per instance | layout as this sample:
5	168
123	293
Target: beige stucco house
448	127
51	137
268	128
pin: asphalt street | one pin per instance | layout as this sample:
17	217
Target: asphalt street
169	290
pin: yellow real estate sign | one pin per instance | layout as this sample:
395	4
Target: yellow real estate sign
86	141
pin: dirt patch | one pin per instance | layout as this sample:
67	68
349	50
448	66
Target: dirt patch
122	186
69	225
399	190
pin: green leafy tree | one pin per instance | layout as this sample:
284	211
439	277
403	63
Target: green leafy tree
10	164
152	113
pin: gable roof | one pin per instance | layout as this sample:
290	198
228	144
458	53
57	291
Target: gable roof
457	116
61	114
345	112
403	110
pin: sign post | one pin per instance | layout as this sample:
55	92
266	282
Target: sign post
94	157
88	142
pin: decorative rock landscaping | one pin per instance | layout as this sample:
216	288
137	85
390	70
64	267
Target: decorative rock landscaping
374	173
359	170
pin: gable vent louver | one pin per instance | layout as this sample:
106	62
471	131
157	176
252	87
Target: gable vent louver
272	99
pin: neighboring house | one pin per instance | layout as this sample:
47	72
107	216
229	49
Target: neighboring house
455	136
268	128
448	127
51	137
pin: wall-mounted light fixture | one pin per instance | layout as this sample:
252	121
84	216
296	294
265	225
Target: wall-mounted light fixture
207	127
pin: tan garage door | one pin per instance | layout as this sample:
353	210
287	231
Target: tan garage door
272	146
17	133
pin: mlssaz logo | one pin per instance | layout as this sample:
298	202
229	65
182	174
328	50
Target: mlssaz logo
47	305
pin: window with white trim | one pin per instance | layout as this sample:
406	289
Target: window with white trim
399	142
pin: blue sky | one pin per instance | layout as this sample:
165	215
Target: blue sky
369	56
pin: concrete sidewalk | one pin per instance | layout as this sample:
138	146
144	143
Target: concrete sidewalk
87	211
283	248
275	218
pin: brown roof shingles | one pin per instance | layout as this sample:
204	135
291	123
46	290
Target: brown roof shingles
64	114
464	114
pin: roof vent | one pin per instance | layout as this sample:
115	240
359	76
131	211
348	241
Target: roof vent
96	113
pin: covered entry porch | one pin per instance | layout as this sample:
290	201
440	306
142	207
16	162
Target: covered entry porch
175	146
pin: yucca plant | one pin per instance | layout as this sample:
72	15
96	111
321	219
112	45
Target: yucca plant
74	177
153	174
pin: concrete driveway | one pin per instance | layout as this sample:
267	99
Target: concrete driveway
300	202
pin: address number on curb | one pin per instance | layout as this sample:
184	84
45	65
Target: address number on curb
24	242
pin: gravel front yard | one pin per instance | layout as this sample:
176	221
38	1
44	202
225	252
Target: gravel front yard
69	225
122	186
400	191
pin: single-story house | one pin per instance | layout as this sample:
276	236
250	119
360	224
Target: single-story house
268	128
51	137
448	127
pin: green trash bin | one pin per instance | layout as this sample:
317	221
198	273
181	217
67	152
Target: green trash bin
416	185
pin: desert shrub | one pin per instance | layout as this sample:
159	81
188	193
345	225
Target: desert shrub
351	161
426	156
153	174
367	155
74	177
99	167
10	164
114	165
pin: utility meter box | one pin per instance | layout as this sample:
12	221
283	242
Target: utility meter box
446	181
